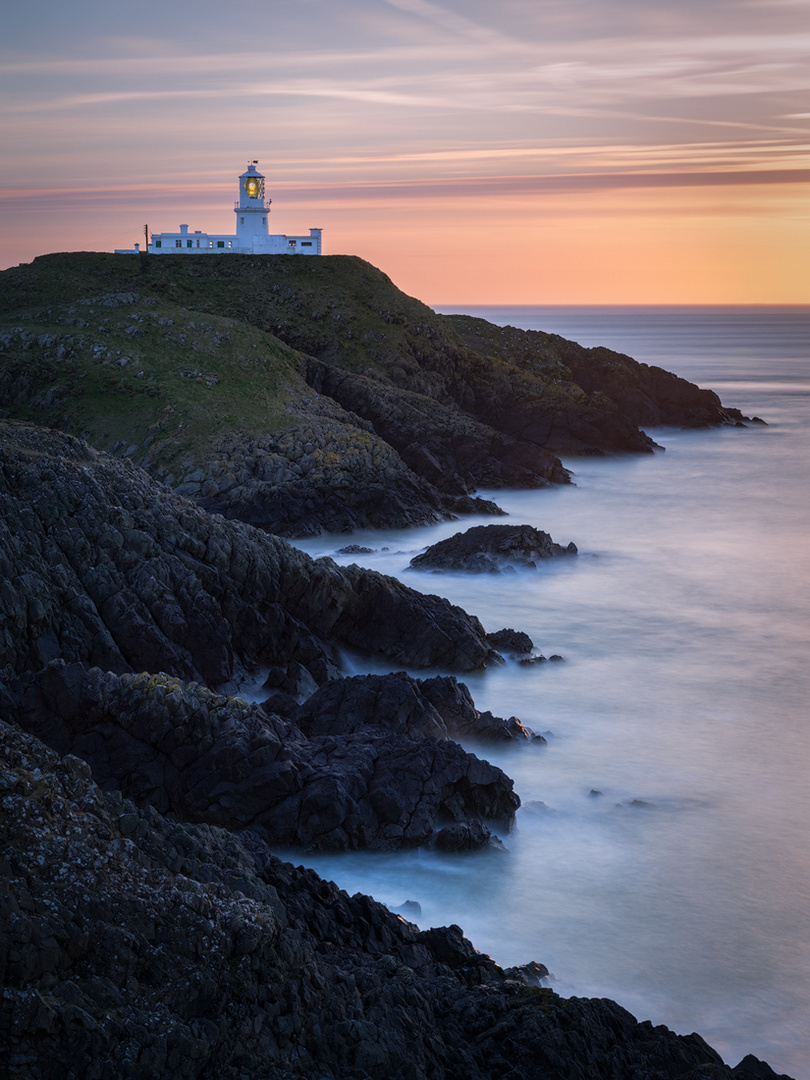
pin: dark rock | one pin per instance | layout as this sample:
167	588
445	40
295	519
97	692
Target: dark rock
107	568
440	707
394	703
751	1068
153	947
282	705
532	974
508	640
355	549
465	837
205	758
491	549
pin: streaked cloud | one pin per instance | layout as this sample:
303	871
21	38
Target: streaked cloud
391	101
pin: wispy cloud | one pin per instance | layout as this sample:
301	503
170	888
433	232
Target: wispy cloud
457	25
404	101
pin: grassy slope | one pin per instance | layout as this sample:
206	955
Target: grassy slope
169	352
92	348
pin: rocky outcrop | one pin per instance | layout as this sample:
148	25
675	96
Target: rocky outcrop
139	947
449	448
438	708
511	641
489	549
639	393
104	567
206	758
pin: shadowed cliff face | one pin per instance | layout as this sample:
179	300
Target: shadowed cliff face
310	394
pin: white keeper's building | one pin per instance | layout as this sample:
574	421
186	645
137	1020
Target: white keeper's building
251	238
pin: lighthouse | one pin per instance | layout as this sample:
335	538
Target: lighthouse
251	211
252	236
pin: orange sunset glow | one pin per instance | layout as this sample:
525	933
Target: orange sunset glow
529	153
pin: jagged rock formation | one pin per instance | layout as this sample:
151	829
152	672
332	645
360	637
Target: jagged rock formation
146	930
139	947
101	566
489	549
511	641
440	708
309	395
206	758
105	574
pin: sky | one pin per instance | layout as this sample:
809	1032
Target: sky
524	152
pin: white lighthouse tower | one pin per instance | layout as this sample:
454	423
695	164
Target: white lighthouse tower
252	236
251	211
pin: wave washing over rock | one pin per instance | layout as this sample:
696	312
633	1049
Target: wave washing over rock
148	929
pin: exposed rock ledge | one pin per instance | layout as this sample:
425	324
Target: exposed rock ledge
205	758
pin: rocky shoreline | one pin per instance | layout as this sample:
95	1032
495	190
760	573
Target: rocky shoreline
148	928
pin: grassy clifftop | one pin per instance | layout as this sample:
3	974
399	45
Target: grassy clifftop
276	380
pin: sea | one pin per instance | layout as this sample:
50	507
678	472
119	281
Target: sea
661	855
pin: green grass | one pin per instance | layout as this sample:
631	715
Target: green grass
170	386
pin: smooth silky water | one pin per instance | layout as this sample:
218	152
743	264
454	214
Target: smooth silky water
682	890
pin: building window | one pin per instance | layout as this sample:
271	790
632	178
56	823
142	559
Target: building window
190	243
178	243
230	243
241	221
158	243
264	221
291	243
220	243
306	243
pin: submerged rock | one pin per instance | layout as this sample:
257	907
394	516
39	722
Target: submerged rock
488	549
465	837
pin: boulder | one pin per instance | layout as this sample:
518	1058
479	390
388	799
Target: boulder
508	640
465	837
488	549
